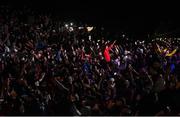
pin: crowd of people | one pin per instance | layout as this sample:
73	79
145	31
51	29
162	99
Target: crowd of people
52	68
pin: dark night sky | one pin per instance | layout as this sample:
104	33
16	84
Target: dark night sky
134	17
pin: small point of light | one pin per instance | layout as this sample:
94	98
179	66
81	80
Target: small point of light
66	25
80	27
90	37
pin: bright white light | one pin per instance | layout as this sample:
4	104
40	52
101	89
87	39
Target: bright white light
115	73
90	37
15	50
80	27
39	55
71	29
89	29
71	24
66	25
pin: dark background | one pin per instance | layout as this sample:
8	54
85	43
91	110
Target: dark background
137	18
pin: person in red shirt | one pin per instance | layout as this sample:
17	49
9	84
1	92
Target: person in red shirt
106	52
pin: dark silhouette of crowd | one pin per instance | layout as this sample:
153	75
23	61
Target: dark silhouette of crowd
49	67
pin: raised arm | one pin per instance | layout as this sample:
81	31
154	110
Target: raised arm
172	53
110	47
158	48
